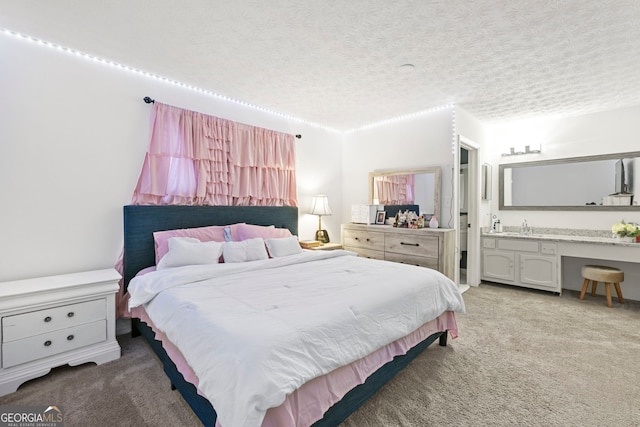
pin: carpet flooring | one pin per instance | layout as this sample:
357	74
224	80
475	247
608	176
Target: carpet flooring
523	358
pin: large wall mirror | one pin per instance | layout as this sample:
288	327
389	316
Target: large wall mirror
605	182
407	187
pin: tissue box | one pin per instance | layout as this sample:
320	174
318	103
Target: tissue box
365	214
617	200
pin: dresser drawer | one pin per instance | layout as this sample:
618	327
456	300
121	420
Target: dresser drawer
412	260
367	253
52	343
363	239
415	245
42	321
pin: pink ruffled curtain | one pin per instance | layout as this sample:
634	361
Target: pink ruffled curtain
395	189
196	159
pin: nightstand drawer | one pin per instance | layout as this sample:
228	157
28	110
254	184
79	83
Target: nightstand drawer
52	343
363	239
42	321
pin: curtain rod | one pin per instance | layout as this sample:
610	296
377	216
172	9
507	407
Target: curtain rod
151	101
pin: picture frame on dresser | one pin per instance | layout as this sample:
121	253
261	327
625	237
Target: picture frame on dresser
381	216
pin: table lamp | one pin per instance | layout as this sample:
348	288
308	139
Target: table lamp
320	207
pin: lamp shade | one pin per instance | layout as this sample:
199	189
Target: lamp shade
320	205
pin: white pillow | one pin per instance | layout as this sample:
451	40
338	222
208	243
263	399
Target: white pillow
246	250
283	246
190	251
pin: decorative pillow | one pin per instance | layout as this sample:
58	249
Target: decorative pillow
249	231
283	246
246	250
214	233
189	251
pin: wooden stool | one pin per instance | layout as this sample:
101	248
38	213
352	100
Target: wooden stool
600	273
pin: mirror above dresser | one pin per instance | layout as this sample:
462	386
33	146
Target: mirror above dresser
407	187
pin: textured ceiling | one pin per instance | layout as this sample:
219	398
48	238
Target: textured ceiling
336	63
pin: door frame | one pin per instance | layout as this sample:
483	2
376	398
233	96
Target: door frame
473	211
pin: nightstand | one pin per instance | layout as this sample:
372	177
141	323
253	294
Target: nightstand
56	320
327	247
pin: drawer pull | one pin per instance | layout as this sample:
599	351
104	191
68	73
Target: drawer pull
47	343
410	244
70	314
70	337
47	319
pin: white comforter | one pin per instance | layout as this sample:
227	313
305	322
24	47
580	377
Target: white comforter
254	332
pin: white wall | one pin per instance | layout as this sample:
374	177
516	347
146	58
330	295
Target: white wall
418	142
74	133
601	133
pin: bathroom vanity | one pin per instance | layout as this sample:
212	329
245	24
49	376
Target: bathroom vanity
535	260
523	262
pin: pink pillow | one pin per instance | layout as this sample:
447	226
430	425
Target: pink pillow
212	233
249	231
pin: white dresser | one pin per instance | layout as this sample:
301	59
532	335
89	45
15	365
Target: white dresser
427	247
56	320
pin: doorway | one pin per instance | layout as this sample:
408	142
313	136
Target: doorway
463	193
467	214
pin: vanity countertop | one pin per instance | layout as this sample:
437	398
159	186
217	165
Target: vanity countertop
569	238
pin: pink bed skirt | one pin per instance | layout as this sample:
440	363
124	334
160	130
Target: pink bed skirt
308	404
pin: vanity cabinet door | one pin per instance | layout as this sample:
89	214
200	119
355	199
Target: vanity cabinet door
538	270
498	266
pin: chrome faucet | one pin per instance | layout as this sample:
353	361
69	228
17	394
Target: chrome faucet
494	219
525	228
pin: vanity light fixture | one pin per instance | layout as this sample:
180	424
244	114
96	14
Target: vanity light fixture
528	149
320	207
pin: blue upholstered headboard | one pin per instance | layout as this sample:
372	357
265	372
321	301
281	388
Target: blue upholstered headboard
141	221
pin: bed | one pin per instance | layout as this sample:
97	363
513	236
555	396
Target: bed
140	222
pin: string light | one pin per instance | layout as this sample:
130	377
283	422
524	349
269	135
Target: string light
401	118
454	134
173	82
